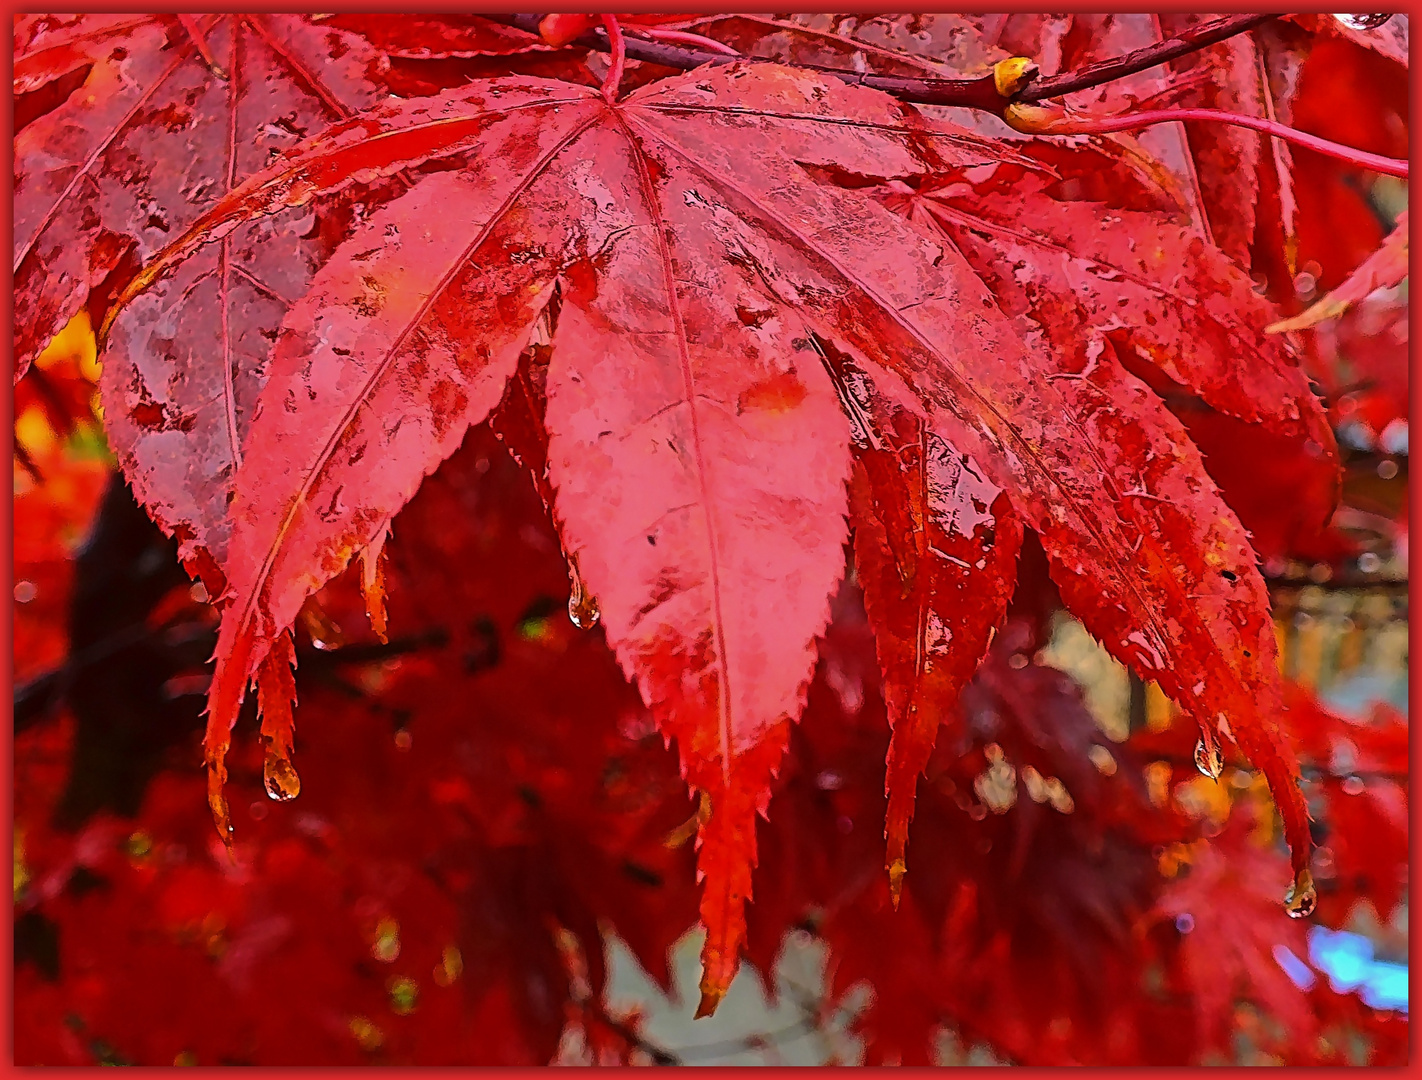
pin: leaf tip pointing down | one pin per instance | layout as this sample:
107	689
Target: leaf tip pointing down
372	583
276	695
897	869
217	801
711	997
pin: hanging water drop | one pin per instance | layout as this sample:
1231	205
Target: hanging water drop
1209	759
1302	897
583	611
1363	22
282	783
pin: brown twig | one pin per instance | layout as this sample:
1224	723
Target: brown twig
979	93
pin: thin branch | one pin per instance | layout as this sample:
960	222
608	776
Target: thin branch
979	93
684	38
35	697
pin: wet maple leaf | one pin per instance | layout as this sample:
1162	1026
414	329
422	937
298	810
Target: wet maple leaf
701	219
96	186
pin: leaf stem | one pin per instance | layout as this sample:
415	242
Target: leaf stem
685	38
1037	121
619	57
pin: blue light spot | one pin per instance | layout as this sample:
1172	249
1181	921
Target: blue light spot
1298	972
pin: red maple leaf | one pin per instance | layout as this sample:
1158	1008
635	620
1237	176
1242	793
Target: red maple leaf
703	314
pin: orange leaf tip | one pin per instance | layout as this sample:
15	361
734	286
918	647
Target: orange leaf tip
710	1000
217	801
897	869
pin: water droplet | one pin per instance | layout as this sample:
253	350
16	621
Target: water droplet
25	591
140	844
1209	759
583	611
283	784
1302	898
1363	22
1185	922
1369	562
1352	785
403	740
1387	468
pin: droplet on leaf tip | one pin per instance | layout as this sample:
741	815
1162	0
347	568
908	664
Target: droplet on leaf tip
1302	897
583	611
1209	759
280	777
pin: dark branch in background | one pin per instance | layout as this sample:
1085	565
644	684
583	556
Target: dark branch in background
36	697
980	93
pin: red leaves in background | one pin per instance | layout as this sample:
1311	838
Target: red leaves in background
694	314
